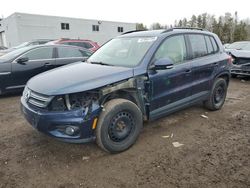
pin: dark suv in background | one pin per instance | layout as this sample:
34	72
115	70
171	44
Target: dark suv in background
134	77
18	66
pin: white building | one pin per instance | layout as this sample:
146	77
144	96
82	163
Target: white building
22	27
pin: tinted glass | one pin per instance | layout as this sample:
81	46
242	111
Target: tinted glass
173	48
39	53
198	45
64	52
215	46
85	45
85	53
81	44
210	48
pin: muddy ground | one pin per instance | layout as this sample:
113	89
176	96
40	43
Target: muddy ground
216	151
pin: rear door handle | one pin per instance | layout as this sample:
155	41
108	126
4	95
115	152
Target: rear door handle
47	64
215	64
188	71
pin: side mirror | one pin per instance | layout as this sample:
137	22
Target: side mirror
163	63
22	60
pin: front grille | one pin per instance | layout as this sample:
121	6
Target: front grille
36	99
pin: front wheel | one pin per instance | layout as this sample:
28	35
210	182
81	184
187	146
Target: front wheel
218	95
119	125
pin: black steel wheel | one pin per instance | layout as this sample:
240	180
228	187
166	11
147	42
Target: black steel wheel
218	95
119	125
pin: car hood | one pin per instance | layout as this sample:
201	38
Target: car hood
77	77
239	53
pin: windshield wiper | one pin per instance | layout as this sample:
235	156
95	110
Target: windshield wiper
100	63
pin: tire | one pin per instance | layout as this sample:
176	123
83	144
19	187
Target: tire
218	95
118	126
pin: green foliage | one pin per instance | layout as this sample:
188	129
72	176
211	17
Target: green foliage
140	26
227	27
157	26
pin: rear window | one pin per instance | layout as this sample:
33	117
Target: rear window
85	45
66	52
198	45
81	44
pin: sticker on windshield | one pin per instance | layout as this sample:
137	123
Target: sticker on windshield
148	39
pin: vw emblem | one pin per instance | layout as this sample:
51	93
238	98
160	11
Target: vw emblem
27	95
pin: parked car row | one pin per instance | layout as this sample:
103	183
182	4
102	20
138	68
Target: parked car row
87	44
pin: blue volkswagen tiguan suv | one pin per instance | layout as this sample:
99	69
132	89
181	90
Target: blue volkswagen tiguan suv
137	76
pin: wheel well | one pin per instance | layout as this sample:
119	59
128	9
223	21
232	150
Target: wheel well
129	95
225	76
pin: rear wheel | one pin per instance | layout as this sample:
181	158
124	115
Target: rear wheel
118	126
218	95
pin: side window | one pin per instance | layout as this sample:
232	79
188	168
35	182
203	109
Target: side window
210	48
215	46
173	48
39	53
65	52
198	45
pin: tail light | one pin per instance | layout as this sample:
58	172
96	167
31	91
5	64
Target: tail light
230	60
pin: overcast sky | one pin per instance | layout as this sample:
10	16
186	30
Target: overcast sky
147	11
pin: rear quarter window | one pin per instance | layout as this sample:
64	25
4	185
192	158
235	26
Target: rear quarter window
215	45
210	48
198	45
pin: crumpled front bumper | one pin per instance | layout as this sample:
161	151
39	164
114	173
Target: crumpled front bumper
55	123
241	69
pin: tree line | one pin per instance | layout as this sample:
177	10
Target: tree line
228	27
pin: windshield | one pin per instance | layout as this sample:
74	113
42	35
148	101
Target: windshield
14	53
127	52
239	46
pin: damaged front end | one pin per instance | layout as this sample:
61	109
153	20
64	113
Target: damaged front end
241	66
240	63
68	117
73	117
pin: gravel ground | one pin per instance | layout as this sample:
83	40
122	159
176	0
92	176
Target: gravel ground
215	151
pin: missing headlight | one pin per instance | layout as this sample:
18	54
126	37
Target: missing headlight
80	100
58	104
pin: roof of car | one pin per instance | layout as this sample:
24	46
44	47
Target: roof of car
156	33
57	45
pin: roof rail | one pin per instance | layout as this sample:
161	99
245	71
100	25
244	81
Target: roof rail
191	28
132	31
